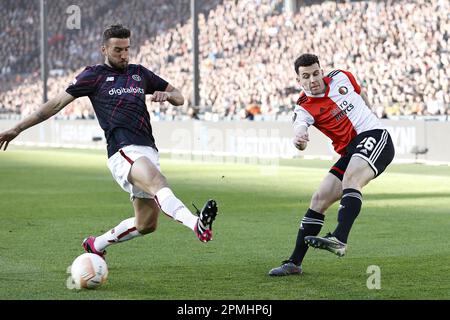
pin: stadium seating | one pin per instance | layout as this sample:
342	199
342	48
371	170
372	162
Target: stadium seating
396	49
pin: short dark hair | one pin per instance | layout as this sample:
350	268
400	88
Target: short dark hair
116	31
306	60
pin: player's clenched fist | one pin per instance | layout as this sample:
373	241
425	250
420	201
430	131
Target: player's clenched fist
160	96
300	141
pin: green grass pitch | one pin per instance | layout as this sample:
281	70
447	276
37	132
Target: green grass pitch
51	199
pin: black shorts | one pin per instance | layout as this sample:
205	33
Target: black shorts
374	146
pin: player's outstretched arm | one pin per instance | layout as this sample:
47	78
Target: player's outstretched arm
172	94
44	112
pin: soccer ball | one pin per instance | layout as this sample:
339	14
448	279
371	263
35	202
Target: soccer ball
87	271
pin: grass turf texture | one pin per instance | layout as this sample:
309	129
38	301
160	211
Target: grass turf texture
52	199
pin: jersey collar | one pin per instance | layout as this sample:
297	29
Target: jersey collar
116	70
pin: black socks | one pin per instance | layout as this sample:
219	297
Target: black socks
351	202
311	224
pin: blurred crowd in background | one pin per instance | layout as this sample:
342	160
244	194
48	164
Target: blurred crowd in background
397	50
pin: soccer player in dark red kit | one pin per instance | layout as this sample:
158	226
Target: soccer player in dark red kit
336	106
117	91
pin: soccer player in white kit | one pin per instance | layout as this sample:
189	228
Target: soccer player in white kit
117	92
335	105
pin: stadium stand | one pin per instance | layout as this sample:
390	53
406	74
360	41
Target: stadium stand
398	51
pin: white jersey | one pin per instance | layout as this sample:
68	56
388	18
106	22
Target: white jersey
340	113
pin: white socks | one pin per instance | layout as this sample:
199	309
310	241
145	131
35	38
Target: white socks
173	207
124	231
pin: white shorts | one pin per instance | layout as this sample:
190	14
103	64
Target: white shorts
120	165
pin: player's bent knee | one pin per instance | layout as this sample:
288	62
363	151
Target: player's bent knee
146	228
354	181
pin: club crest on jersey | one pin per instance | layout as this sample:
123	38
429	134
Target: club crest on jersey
343	90
136	77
